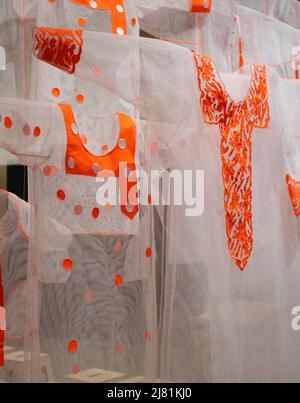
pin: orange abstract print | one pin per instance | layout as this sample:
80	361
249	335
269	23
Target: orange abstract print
236	121
80	161
48	41
294	191
118	12
201	6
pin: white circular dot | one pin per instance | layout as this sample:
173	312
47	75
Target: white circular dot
96	168
206	4
120	31
122	144
120	8
71	163
93	4
74	129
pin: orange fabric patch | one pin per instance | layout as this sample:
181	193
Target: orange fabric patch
294	191
201	6
118	280
47	42
79	161
118	12
236	121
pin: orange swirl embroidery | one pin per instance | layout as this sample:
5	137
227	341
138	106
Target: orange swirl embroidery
61	48
294	191
236	121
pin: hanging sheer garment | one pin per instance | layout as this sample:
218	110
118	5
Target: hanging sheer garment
14	60
225	311
16	281
264	40
115	16
17	17
100	324
117	252
211	33
287	11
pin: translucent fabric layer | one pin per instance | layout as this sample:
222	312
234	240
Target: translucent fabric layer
225	302
211	33
100	323
265	40
17	282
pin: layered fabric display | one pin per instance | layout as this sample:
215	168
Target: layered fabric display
105	279
100	323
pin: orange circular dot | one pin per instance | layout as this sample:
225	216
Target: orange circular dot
148	252
8	122
54	170
148	336
120	347
150	199
47	170
118	280
109	207
61	195
37	132
68	264
76	369
133	22
56	92
78	210
96	71
82	22
154	146
26	130
89	296
95	213
73	346
118	247
80	99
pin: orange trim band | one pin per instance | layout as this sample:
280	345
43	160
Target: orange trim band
201	6
118	12
80	161
241	49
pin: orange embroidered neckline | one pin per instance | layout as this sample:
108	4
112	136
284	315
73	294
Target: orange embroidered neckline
118	12
80	161
236	121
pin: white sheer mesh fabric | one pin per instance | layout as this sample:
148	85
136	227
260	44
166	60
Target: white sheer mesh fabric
97	320
213	33
216	323
265	40
99	323
17	281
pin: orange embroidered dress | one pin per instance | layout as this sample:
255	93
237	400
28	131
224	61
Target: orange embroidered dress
237	122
